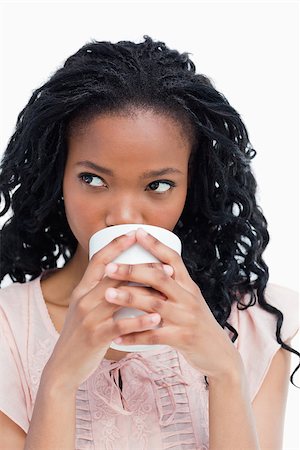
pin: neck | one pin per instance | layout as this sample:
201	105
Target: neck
76	267
58	286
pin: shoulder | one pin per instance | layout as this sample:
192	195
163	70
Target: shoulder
13	295
286	300
256	327
282	297
14	319
255	319
15	291
16	300
11	288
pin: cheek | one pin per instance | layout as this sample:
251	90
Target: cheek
171	212
82	213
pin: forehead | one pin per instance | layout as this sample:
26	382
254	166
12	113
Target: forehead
139	135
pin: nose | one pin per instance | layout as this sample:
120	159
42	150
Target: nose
124	210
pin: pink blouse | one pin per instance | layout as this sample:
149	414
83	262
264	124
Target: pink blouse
164	401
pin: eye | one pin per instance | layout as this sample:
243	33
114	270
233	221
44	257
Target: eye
87	178
161	186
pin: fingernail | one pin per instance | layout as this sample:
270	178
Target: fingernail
112	293
155	318
142	232
168	269
131	233
111	268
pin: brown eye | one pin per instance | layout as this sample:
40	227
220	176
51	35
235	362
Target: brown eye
91	180
161	186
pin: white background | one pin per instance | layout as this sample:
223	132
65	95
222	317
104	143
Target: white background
250	50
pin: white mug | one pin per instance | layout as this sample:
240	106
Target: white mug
136	254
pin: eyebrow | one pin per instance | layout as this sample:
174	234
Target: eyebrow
148	174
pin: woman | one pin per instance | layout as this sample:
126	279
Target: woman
129	133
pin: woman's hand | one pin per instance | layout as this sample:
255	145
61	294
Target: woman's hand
187	322
89	326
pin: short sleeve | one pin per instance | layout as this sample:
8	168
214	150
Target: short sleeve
256	329
12	389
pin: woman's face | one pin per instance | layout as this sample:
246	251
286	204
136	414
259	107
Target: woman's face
125	169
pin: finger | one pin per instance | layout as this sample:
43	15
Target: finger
96	267
145	291
166	268
135	298
114	328
154	277
158	336
96	297
165	254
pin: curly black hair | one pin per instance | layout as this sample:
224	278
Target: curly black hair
223	230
